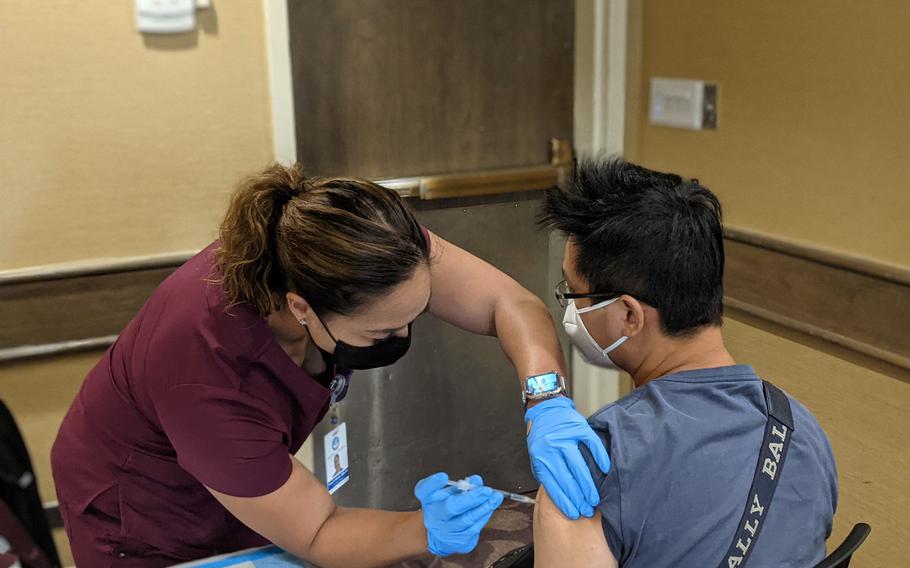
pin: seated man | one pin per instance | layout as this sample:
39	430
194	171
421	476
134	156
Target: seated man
643	292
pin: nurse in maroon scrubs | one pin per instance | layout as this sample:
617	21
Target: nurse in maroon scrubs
180	443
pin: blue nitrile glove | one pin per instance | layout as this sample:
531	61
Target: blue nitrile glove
556	429
454	518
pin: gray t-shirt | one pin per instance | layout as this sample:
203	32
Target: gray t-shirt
684	449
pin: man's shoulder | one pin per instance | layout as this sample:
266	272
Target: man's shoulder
808	432
679	413
685	449
625	411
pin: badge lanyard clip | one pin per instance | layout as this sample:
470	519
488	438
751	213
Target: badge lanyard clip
336	387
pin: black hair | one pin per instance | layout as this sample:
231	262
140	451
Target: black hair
657	237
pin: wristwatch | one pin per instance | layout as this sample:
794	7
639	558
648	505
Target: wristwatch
543	387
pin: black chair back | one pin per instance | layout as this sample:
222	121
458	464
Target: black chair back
840	557
19	489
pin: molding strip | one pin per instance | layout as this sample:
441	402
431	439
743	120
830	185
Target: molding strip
489	182
852	303
815	331
58	348
836	259
93	267
862	307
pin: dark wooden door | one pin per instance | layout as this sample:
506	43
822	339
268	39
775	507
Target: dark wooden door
396	88
393	88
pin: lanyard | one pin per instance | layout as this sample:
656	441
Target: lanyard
774	446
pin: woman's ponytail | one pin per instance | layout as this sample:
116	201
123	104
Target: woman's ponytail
338	242
248	258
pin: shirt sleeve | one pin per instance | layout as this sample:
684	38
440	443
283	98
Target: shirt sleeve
228	440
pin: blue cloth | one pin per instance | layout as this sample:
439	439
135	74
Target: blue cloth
684	449
267	557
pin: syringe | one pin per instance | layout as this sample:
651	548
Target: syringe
465	485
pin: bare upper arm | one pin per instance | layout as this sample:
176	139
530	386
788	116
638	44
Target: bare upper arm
560	542
277	516
466	289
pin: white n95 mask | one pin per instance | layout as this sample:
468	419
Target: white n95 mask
578	334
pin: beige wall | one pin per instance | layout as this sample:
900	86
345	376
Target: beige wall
865	415
117	144
814	126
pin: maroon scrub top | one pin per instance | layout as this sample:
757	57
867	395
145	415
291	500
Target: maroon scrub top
192	393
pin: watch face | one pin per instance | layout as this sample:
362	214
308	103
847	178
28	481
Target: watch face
541	384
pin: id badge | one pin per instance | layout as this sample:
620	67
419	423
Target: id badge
336	458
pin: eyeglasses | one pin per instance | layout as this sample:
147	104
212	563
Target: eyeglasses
564	294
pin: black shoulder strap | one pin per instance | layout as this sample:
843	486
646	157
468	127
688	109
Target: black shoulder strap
771	458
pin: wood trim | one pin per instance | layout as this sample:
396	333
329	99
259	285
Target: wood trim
836	259
474	184
97	267
56	311
863	306
814	331
489	182
860	305
23	352
817	343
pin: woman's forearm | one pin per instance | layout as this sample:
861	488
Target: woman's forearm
301	517
364	538
528	337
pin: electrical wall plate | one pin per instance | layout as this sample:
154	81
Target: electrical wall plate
165	16
683	103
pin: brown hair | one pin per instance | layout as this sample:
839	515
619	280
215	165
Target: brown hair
335	241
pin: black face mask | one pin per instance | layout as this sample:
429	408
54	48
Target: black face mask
380	354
